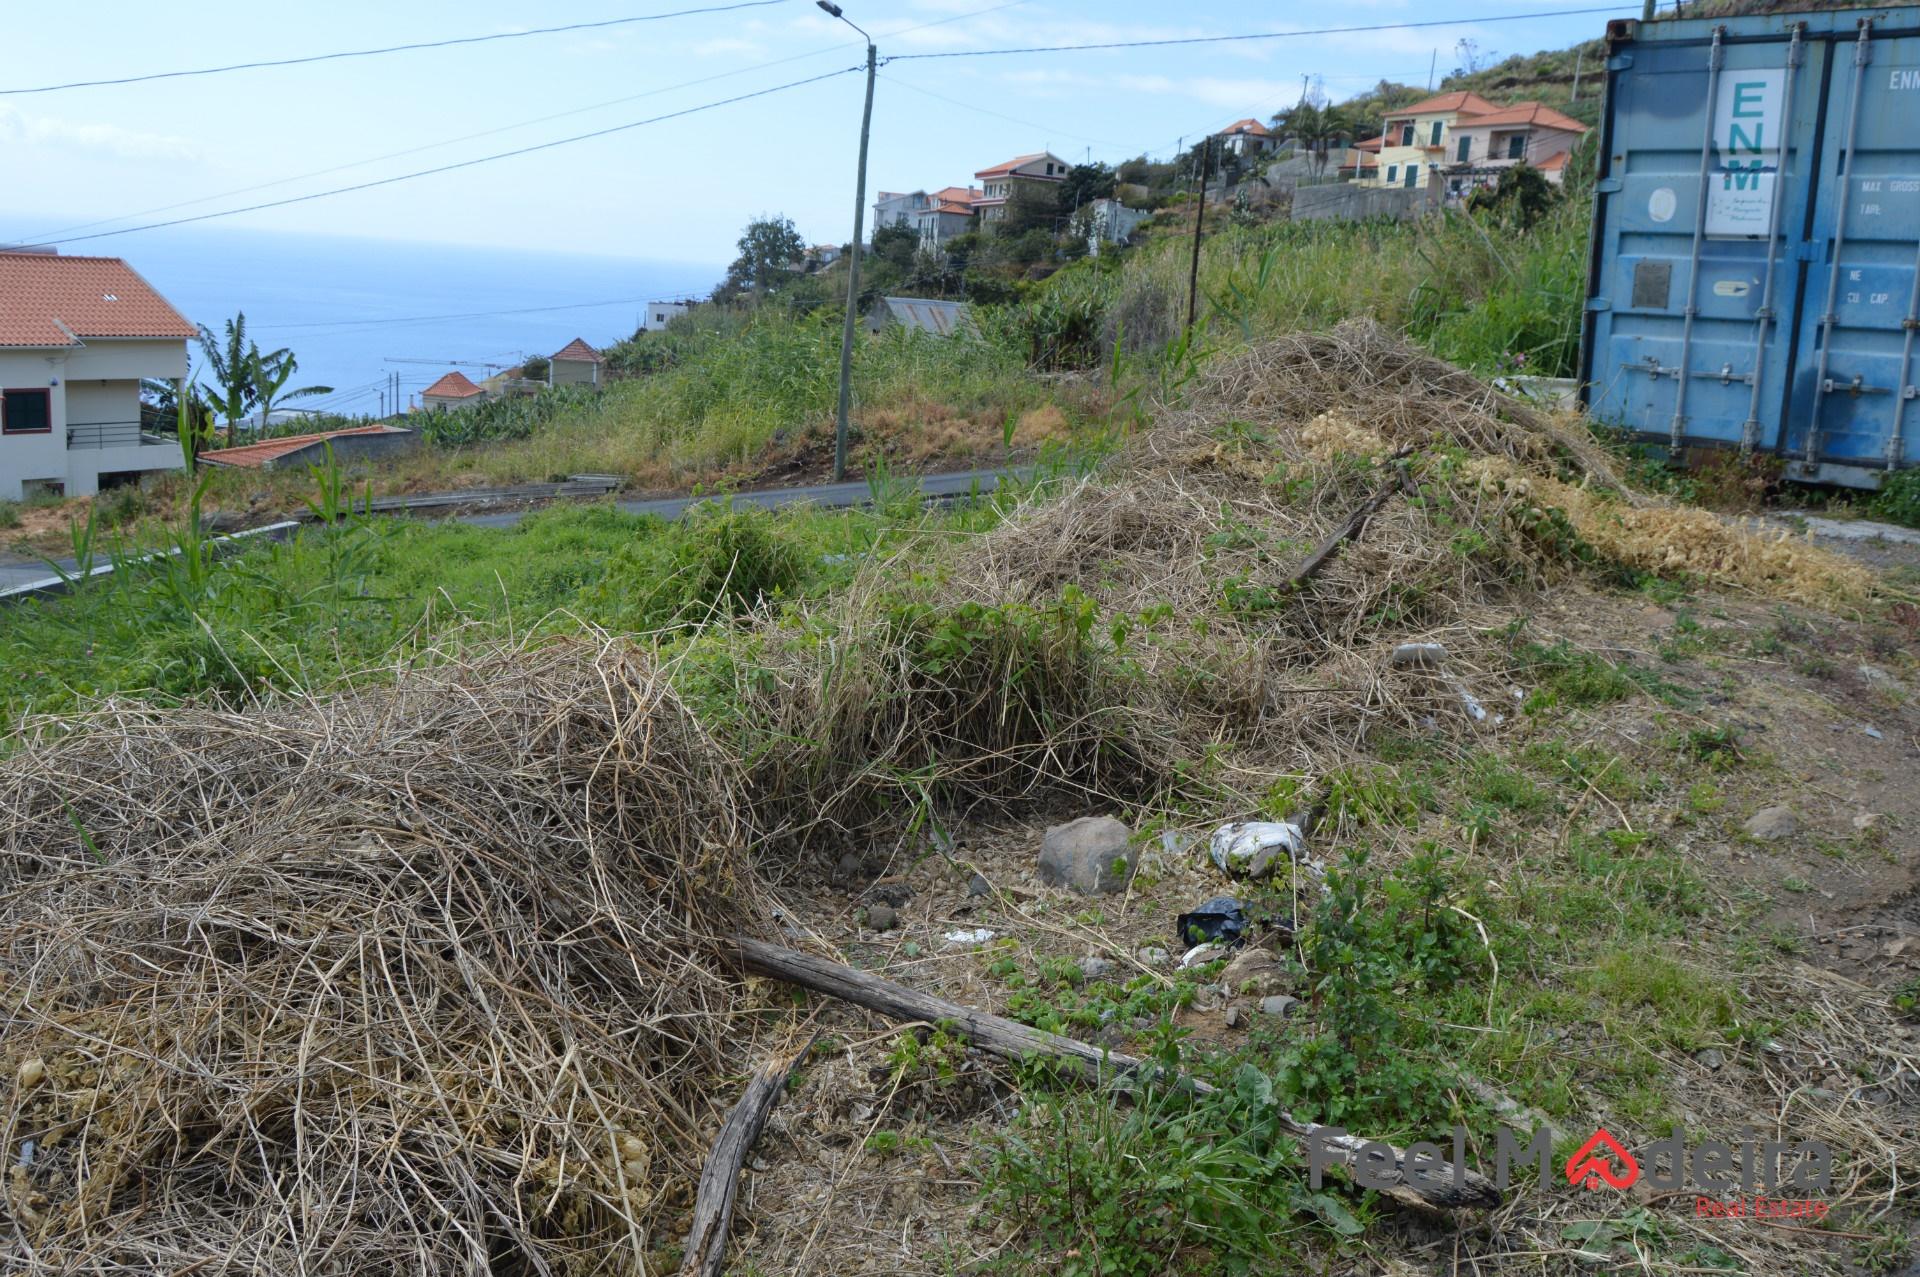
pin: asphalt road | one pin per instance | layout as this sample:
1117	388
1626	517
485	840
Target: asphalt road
831	495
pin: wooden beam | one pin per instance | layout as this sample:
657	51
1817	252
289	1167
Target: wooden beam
706	1249
1414	1184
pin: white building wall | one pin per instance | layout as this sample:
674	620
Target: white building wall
659	314
97	383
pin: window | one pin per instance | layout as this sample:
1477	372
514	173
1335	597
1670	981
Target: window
1393	174
1517	147
1435	135
1406	133
1413	171
1464	152
26	412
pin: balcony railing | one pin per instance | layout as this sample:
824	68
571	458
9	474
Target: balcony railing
108	434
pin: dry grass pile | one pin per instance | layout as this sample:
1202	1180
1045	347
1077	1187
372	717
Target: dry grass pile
414	979
1109	639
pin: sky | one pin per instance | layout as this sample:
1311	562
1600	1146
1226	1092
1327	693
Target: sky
677	190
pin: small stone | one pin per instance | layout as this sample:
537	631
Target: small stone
1710	1058
1095	968
1419	656
882	917
1770	824
1866	821
1872	731
1255	967
1874	674
1092	855
891	891
848	868
1233	1017
32	1073
1279	1004
978	886
1153	956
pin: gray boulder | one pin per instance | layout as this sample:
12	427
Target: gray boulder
1090	855
1771	824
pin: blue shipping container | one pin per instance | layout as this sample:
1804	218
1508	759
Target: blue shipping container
1755	275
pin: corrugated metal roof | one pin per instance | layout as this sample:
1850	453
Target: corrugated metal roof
927	314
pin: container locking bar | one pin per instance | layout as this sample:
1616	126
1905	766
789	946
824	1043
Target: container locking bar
1716	54
1856	387
1763	318
1862	54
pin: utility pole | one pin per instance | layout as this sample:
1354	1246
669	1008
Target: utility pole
853	258
1199	220
1579	61
1433	64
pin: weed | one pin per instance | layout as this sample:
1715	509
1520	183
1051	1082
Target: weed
1564	675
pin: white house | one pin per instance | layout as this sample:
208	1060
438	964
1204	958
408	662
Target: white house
574	364
659	314
1111	222
1023	170
77	336
455	390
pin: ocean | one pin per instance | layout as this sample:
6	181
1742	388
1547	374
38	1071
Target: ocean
350	307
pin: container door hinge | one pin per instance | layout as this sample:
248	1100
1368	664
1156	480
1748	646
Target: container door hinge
1808	251
1619	62
1597	304
1609	185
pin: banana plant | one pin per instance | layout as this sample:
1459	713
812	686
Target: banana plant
268	376
229	364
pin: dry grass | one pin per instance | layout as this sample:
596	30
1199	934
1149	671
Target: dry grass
414	979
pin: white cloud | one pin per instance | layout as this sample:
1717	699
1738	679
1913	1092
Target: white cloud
19	128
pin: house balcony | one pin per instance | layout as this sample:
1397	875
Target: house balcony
95	435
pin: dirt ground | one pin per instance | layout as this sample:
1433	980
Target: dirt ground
870	1167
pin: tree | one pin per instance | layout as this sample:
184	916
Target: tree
270	375
770	252
1086	183
1314	126
1031	206
230	365
1523	197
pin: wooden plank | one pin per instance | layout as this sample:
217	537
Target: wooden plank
706	1248
1415	1184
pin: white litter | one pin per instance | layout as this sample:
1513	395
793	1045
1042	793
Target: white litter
1202	953
1250	849
964	939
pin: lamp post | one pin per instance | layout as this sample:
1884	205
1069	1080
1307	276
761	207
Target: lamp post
853	258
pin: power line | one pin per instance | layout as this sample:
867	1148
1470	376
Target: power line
1258	35
462	164
472	314
981	110
45	236
391	48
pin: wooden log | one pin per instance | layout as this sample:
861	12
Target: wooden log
706	1248
1355	523
1414	1184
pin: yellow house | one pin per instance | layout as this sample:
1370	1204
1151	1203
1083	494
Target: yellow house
1415	139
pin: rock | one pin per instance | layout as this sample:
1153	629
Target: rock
1090	855
1867	821
848	868
1874	674
1771	824
1869	729
1153	956
881	917
1233	1017
32	1073
1710	1058
978	886
1095	968
1256	967
891	891
1279	1004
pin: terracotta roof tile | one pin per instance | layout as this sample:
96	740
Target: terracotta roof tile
455	385
252	456
1461	102
1558	160
47	300
577	351
1248	125
1001	170
1527	113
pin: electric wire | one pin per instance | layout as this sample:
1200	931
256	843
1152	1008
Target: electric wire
391	48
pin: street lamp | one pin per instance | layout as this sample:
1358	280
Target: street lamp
853	257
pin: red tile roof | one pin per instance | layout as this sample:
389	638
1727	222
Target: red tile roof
956	194
1554	162
1371	144
51	301
1527	113
1001	170
455	385
1461	102
577	351
252	456
1245	126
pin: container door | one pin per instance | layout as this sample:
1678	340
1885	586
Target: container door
1854	380
1704	191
